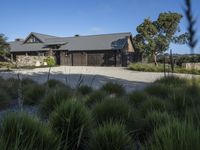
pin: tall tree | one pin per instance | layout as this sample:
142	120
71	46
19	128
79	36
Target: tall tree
154	37
4	46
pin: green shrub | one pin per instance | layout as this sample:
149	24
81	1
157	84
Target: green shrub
113	88
151	104
112	109
52	83
175	135
137	97
95	97
50	61
33	93
22	132
111	136
54	98
73	122
84	90
4	99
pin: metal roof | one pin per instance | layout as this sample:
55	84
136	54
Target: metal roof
114	41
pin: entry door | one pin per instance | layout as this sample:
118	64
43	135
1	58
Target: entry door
57	56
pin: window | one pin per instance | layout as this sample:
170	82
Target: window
33	39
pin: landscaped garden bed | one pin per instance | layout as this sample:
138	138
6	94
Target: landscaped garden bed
150	67
54	116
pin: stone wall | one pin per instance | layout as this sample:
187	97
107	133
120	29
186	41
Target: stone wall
30	60
191	65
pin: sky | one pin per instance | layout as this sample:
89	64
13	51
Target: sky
86	17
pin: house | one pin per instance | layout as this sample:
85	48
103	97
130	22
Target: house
93	50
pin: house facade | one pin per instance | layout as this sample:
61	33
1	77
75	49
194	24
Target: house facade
94	50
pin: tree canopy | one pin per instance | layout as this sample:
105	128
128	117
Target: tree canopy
154	37
4	46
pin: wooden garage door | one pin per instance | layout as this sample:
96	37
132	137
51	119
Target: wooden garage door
95	60
79	59
101	59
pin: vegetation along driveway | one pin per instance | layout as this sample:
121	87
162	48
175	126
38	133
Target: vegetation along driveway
92	76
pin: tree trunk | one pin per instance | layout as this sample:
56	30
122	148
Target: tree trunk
155	59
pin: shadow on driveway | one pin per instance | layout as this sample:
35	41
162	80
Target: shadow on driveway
95	81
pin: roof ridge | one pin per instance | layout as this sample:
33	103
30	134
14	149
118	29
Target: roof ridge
43	34
104	34
93	35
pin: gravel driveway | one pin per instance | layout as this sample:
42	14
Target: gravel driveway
93	76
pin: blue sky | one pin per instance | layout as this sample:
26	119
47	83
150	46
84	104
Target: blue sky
85	17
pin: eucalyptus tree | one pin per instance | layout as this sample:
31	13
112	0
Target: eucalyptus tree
155	37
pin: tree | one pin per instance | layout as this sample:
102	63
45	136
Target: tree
154	37
4	46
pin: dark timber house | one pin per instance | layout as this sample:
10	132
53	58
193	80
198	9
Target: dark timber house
93	50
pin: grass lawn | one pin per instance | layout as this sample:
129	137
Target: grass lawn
150	67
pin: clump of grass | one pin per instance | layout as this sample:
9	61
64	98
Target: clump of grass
72	120
95	97
155	119
137	97
27	81
175	135
159	90
22	132
193	116
33	93
114	88
52	83
180	101
112	109
10	86
84	90
53	99
172	80
152	104
4	99
111	136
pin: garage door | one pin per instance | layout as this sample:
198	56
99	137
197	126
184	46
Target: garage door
101	59
95	60
79	59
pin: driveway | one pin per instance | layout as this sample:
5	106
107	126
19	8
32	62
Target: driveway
92	76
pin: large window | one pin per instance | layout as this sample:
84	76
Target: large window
33	39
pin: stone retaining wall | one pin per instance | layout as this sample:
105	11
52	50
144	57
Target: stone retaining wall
30	60
191	65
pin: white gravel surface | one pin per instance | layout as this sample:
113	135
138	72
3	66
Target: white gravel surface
93	76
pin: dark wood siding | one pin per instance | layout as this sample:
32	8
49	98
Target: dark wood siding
65	58
91	58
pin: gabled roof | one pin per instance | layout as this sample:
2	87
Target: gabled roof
19	46
114	41
41	37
